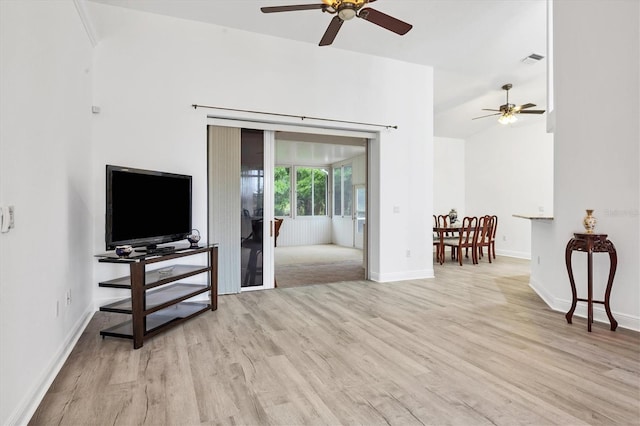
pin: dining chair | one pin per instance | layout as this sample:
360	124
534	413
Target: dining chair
276	230
277	225
253	242
465	240
482	237
436	238
494	226
443	222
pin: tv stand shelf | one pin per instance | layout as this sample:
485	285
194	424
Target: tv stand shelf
157	300
158	277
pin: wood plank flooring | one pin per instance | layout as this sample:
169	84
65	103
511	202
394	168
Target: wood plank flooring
474	346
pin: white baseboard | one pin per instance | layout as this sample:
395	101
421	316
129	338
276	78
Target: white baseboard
599	314
401	276
513	253
25	410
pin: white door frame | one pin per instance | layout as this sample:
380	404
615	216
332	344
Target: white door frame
358	240
256	122
268	239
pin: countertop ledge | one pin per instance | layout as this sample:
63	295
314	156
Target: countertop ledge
533	216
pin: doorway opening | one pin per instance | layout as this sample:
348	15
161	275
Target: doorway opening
317	180
310	217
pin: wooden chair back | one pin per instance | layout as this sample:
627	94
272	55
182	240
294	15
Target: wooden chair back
468	231
483	235
494	227
443	222
278	224
466	239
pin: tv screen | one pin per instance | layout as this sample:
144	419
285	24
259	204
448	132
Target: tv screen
146	207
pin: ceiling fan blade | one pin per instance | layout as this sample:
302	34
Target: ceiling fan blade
490	115
525	106
272	9
486	109
385	21
532	111
521	107
331	32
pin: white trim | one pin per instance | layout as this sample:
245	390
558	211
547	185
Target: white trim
254	288
268	257
599	314
27	407
86	21
284	126
516	254
256	121
401	276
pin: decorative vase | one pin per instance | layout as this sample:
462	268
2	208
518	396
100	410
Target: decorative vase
124	251
589	222
193	238
453	216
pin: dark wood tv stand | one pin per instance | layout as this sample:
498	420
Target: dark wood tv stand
158	301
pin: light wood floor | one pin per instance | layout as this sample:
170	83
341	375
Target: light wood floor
473	346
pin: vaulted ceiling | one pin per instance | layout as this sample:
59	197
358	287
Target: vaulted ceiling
475	46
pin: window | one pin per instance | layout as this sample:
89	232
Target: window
337	191
342	190
311	188
347	199
282	191
311	191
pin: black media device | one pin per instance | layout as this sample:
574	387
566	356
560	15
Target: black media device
146	208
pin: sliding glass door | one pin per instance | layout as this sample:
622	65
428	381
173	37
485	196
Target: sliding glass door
240	206
256	214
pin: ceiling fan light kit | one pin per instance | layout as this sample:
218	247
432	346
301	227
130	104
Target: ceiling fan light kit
508	111
345	10
507	118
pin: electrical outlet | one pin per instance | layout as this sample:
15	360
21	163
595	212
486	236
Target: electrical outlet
57	308
68	297
538	260
408	253
504	238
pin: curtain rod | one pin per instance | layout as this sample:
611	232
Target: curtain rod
302	117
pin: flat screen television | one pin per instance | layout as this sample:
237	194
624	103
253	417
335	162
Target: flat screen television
145	208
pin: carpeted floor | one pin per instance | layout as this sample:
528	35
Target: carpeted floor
319	264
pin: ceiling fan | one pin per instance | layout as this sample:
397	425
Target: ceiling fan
344	11
507	112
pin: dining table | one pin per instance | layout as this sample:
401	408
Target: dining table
452	229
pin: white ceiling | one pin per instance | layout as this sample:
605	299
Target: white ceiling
307	149
475	46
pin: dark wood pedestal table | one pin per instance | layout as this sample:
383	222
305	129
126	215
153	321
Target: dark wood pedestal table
591	243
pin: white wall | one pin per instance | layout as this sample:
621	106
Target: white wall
45	172
597	138
147	72
151	69
509	170
304	231
449	175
